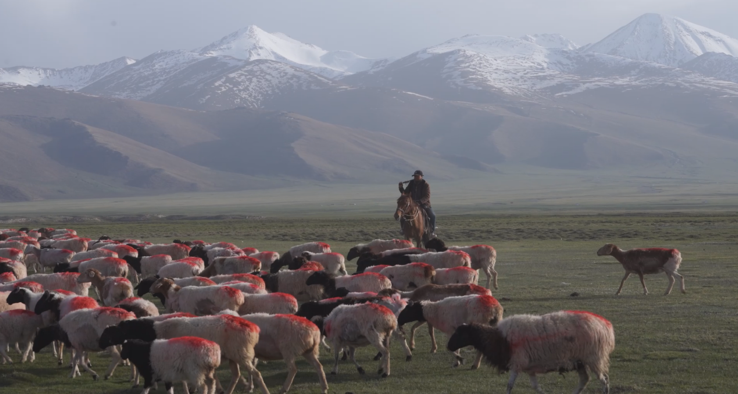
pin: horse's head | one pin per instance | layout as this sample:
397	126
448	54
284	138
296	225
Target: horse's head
403	205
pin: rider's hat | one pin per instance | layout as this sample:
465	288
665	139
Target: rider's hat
418	172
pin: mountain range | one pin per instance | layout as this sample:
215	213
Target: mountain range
258	110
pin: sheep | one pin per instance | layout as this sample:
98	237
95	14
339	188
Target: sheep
94	253
294	283
267	258
360	325
334	263
366	261
108	266
20	245
223	245
177	251
58	231
295	251
231	265
361	282
198	300
377	268
100	243
646	261
61	304
187	359
52	257
447	259
81	329
182	269
286	337
436	292
402	252
12	254
31	261
250	278
271	303
111	290
463	275
139	307
410	276
74	244
377	246
6	277
245	287
144	286
237	338
559	341
17	268
30	299
61	280
191	259
30	285
148	265
213	253
451	312
483	257
121	250
19	327
4	306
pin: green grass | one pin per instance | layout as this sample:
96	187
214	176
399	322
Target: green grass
683	343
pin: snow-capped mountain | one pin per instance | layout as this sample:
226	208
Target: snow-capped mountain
73	78
254	43
556	41
715	65
664	39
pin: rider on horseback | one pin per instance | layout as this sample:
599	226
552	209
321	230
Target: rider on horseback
419	190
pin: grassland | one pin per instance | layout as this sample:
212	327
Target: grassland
683	343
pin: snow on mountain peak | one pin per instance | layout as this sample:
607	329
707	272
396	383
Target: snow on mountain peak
555	41
664	39
73	78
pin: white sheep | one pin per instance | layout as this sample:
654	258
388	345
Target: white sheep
449	313
560	341
185	359
410	250
107	266
19	269
266	258
176	250
239	277
231	265
111	289
245	287
410	276
271	303
294	283
30	299
287	337
368	281
19	327
121	250
222	245
447	259
139	306
198	300
4	306
182	269
334	263
378	246
646	261
465	275
51	257
82	329
74	244
150	265
377	268
60	280
6	277
483	257
236	337
13	253
92	254
353	326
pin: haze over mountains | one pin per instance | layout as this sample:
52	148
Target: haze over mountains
658	95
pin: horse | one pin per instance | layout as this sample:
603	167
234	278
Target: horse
412	221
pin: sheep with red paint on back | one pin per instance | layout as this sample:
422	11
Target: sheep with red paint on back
197	300
231	265
410	276
139	307
60	280
456	275
378	246
334	263
359	283
111	290
19	327
175	250
483	257
559	341
646	261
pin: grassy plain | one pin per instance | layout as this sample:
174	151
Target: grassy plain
683	343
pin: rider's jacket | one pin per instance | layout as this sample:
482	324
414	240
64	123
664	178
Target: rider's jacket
419	191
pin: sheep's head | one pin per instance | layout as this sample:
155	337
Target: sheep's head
462	337
162	286
17	295
144	286
365	261
436	244
355	252
62	267
606	250
412	312
321	278
89	275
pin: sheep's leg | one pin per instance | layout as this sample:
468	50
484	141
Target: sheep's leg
412	333
313	359
235	374
583	379
605	380
477	361
494	277
671	283
256	375
352	356
408	353
4	353
210	382
511	381
54	346
291	372
643	283
81	361
672	277
28	351
114	361
325	345
459	359
336	354
386	345
534	383
134	376
432	332
627	274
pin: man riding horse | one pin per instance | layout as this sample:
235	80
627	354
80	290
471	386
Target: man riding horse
419	190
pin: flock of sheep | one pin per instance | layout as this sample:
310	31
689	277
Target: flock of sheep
241	305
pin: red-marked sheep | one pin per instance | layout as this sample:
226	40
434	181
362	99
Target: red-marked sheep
287	337
271	303
12	254
359	283
333	263
231	265
353	326
646	261
378	246
177	251
410	276
111	289
17	268
294	283
250	278
447	259
462	275
185	359
139	307
121	250
560	341
198	300
150	265
92	254
267	258
52	257
74	244
61	280
181	269
6	277
19	327
450	313
483	257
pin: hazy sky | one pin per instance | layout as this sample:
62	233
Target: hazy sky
65	33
